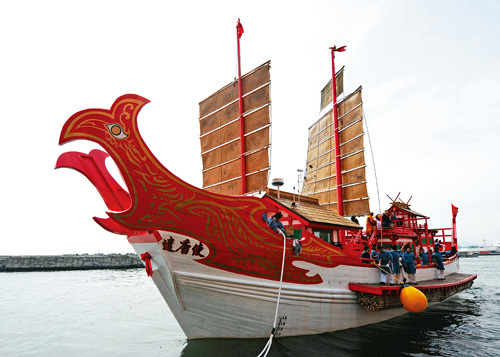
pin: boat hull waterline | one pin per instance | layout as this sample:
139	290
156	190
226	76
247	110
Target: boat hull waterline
212	303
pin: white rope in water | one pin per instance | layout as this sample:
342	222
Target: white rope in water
267	347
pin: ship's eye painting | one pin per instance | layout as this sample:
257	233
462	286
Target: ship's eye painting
117	131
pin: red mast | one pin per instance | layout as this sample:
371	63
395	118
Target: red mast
340	197
239	32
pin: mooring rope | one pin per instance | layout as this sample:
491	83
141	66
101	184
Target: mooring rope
267	347
390	269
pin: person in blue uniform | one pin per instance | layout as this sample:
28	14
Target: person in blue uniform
437	259
384	261
389	250
409	261
424	257
396	267
366	255
275	224
374	253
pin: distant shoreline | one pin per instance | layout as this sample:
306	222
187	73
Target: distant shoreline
19	263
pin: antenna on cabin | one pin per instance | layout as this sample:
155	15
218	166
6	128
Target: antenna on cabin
299	172
278	182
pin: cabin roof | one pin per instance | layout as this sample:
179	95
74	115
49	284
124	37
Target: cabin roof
310	210
407	210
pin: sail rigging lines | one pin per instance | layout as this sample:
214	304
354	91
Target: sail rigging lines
373	161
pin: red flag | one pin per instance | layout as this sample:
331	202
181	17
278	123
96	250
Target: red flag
239	28
341	49
454	211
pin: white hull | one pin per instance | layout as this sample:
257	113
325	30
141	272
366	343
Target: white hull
209	302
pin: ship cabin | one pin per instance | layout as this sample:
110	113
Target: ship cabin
303	216
409	227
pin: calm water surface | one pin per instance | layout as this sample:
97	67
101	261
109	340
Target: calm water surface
121	313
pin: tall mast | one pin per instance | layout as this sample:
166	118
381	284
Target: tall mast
239	32
340	197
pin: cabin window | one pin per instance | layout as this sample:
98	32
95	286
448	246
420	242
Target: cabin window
424	240
324	234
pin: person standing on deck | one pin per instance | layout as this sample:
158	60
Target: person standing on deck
385	264
396	267
393	218
374	253
437	259
378	219
424	257
371	224
391	277
386	221
409	261
365	254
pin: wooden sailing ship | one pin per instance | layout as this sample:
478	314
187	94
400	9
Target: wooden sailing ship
221	269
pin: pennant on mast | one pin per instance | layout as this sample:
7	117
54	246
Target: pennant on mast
239	28
454	212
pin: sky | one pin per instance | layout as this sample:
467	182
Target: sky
429	70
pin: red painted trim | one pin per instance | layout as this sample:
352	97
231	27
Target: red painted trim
394	290
282	209
375	290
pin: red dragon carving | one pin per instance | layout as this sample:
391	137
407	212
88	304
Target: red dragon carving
231	226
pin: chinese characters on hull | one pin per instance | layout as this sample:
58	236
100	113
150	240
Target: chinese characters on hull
168	245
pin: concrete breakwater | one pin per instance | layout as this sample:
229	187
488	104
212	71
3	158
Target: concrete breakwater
69	262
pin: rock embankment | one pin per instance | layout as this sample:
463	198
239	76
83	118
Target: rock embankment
69	262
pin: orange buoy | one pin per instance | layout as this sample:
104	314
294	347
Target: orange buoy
413	299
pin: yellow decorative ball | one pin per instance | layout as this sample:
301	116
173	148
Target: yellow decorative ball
413	299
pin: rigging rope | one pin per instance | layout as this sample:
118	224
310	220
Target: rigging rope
267	347
373	161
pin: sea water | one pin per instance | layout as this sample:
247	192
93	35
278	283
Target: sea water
121	313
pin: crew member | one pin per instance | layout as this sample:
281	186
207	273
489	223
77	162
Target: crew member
384	262
275	224
370	224
437	258
424	257
409	261
365	254
396	267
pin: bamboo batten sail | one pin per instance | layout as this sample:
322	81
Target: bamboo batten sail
220	135
320	167
326	92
